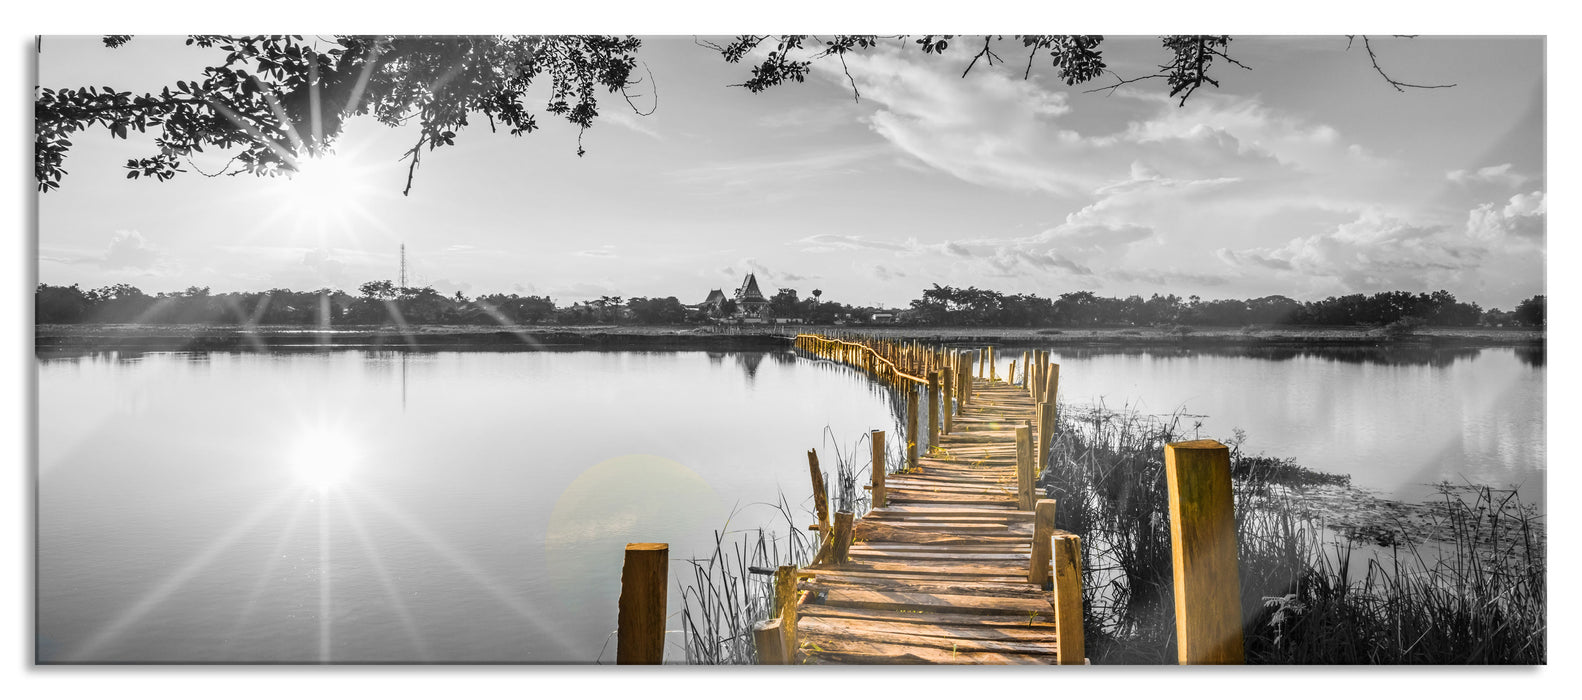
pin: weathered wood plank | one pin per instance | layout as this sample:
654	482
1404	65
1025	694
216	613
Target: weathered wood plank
819	633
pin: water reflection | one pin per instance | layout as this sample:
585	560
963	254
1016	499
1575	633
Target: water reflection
406	506
284	507
1403	354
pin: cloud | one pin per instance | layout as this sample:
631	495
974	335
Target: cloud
631	121
1521	221
755	175
1162	278
1492	175
130	251
827	242
321	265
1375	251
998	130
604	251
886	272
766	276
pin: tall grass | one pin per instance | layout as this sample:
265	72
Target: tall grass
733	588
1472	591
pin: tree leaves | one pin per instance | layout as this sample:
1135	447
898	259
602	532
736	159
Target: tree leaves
275	99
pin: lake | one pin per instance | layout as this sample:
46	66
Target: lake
354	506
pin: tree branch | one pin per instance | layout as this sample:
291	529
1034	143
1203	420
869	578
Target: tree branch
1398	85
984	52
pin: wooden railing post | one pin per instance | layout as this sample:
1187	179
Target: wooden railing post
640	621
877	439
1067	554
820	494
840	549
1046	434
1011	377
950	395
785	610
934	409
911	426
1052	383
983	358
769	639
1043	528
1203	551
1024	468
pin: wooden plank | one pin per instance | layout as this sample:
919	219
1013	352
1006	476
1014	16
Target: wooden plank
938	602
1010	545
970	619
1019	590
851	651
1004	575
819	634
923	627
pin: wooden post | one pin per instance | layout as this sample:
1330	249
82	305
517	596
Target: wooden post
934	409
1024	468
1203	550
769	638
950	395
820	494
911	426
877	439
1067	553
841	549
785	610
640	622
983	357
1052	383
1043	528
1027	368
1046	434
1011	378
993	372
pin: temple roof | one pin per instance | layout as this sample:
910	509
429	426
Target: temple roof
749	290
715	296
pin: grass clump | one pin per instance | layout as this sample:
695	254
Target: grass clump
1468	588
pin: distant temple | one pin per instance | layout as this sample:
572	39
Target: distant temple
750	302
751	306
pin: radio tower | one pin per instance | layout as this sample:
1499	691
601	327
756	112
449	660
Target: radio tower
403	266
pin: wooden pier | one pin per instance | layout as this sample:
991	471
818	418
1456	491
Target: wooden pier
958	561
943	568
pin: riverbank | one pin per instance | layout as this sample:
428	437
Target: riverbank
153	337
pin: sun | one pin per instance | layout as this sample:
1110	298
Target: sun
323	459
326	189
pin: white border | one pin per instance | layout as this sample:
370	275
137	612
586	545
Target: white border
733	16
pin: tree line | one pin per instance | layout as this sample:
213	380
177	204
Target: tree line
970	306
382	302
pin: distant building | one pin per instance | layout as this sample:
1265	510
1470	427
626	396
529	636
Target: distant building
713	305
750	301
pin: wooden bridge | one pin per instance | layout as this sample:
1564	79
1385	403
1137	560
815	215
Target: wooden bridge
959	561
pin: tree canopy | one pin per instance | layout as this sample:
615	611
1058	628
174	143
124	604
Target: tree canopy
269	101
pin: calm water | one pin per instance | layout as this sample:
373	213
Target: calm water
472	506
354	507
1398	421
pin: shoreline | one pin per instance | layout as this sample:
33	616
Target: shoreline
155	338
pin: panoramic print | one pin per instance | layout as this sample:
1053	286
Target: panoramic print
790	349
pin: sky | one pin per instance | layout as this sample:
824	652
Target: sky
1306	176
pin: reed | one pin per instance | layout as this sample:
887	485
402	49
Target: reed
1472	591
732	588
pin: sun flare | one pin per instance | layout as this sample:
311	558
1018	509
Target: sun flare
323	459
325	189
